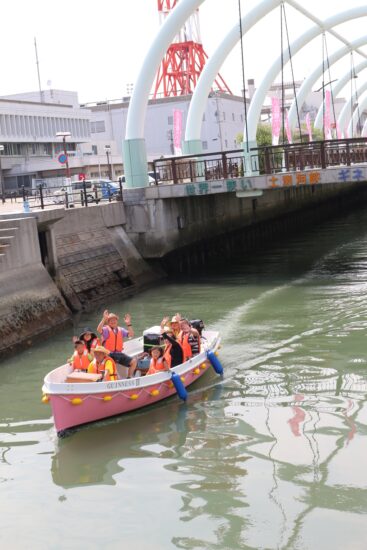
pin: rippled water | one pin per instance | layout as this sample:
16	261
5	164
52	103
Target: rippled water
271	456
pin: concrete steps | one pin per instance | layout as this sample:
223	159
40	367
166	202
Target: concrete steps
8	231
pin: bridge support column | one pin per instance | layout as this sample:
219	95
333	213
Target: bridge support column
135	163
192	147
251	160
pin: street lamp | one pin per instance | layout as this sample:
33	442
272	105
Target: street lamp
1	177
107	149
64	135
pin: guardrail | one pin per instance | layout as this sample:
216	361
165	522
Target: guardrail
263	160
69	197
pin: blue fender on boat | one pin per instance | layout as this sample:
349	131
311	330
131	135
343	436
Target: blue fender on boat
180	388
216	364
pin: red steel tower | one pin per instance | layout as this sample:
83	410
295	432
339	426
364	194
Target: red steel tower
184	60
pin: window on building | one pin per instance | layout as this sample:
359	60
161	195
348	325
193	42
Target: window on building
204	117
94	150
233	117
226	143
241	118
97	127
205	144
170	120
224	115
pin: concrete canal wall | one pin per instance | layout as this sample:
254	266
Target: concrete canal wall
56	262
190	224
30	303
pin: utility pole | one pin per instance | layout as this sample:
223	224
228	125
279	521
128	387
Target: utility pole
38	71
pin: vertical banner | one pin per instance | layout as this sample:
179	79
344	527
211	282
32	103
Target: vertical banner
177	131
327	119
309	127
287	128
275	119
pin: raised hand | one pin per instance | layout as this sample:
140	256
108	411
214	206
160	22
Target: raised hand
127	318
165	321
105	314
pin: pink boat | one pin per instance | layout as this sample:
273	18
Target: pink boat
76	403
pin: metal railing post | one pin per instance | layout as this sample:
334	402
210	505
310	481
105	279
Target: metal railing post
85	194
348	153
174	171
66	200
40	188
23	193
322	154
224	166
267	161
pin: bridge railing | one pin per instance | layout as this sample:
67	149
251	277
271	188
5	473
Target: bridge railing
264	160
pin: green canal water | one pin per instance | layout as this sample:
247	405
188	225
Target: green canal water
272	456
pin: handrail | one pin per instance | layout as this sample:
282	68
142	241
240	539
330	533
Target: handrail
268	159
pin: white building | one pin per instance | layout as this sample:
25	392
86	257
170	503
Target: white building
28	131
223	120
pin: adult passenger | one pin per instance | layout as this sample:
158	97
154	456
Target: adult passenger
174	324
113	339
103	364
173	352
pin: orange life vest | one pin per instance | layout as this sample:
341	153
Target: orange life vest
185	340
81	362
111	373
114	341
156	365
167	355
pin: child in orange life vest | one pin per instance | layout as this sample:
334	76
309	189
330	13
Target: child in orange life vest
113	339
102	364
80	359
189	339
157	363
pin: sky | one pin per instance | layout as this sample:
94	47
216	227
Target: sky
97	48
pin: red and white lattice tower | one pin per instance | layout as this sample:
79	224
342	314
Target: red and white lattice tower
184	60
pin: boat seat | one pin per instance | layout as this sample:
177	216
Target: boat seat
122	371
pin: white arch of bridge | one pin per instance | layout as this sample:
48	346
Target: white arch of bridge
357	113
347	111
315	75
336	89
197	104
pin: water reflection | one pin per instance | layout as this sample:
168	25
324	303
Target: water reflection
92	454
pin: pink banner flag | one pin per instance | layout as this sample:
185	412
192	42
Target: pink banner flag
327	118
309	127
275	119
177	131
287	128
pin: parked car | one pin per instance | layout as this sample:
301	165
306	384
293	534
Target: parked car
151	179
103	190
